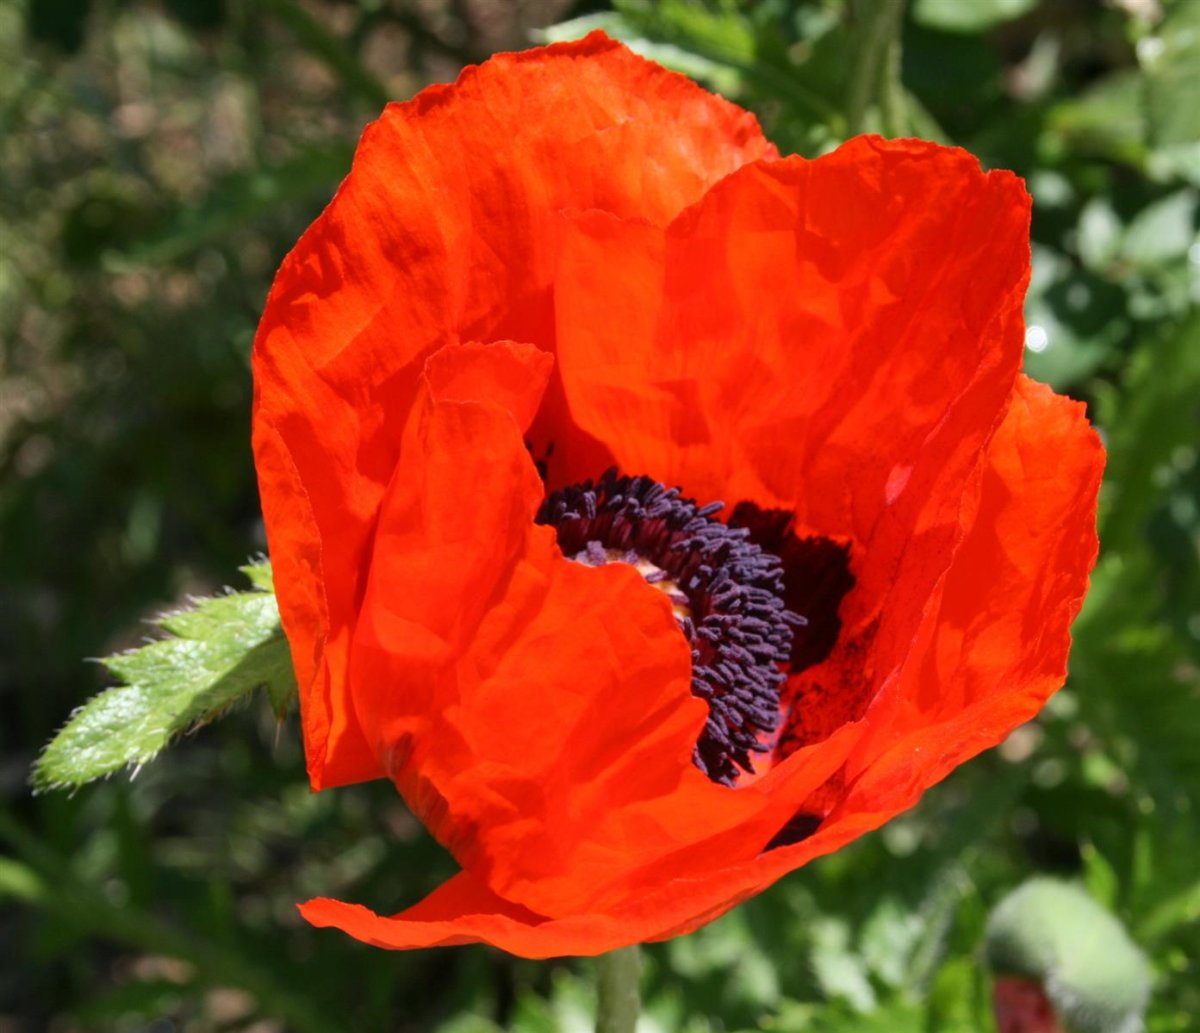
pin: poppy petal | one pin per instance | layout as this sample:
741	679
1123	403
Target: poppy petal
504	373
834	343
443	231
1021	570
463	910
836	338
1018	577
536	713
472	610
995	646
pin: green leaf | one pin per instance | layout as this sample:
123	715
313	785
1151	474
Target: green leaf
260	574
887	940
1181	908
1171	62
1074	320
1099	234
952	997
840	972
1158	416
1107	119
1098	876
219	651
719	76
712	47
1161	232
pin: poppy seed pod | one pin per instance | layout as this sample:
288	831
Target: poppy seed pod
556	314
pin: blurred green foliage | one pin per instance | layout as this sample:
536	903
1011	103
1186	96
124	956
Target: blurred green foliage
157	161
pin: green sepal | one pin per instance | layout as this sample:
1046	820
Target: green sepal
216	653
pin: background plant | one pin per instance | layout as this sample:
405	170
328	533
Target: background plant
158	159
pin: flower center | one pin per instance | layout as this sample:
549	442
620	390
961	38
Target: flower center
726	592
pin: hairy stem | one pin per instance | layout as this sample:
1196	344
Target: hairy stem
618	978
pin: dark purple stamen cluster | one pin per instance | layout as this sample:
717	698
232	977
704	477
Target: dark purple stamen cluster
738	627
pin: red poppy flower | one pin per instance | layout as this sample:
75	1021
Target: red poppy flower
621	714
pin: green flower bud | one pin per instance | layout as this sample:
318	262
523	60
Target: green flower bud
1053	933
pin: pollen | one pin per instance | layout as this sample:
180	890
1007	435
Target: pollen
596	555
726	593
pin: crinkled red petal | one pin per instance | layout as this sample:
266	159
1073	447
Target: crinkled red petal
993	646
536	713
1018	576
443	231
836	338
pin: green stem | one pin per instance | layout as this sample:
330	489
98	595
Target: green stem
893	108
876	69
618	990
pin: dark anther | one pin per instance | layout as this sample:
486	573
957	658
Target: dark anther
727	594
816	574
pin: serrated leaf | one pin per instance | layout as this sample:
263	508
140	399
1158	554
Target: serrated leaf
219	651
260	574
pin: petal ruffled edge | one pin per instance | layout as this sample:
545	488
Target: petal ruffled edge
463	910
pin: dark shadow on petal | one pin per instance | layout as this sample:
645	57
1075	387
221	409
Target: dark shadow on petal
800	826
816	577
820	706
